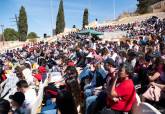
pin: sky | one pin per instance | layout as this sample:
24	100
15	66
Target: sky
42	13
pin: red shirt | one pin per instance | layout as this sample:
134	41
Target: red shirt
126	91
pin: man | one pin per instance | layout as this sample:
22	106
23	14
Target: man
17	101
98	79
120	92
109	65
30	94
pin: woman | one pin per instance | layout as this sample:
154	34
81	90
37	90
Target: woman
65	103
153	93
159	75
105	53
72	84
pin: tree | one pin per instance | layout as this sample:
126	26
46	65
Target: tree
60	21
22	24
10	34
143	6
85	17
32	35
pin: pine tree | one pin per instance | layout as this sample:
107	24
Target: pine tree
60	22
85	17
22	24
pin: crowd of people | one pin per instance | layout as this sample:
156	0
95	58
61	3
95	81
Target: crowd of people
153	25
86	76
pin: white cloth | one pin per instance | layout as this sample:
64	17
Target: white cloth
30	96
27	73
10	83
114	56
133	62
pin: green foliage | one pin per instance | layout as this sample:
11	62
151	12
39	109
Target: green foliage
85	17
10	34
32	35
143	6
60	22
22	24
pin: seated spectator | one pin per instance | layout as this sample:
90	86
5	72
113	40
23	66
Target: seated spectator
30	94
105	53
121	92
98	79
65	103
17	103
9	84
4	106
153	92
37	80
72	84
42	70
159	74
109	66
50	97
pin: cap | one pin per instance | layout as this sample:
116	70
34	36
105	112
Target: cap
110	61
42	69
71	63
18	97
38	77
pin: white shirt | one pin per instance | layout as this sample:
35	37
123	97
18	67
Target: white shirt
114	56
30	96
28	75
10	84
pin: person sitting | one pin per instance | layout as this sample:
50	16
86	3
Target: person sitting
30	94
110	66
17	102
159	74
72	84
65	103
153	92
121	92
4	106
98	79
50	94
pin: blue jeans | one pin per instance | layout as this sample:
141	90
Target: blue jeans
88	93
49	106
89	101
53	111
88	90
